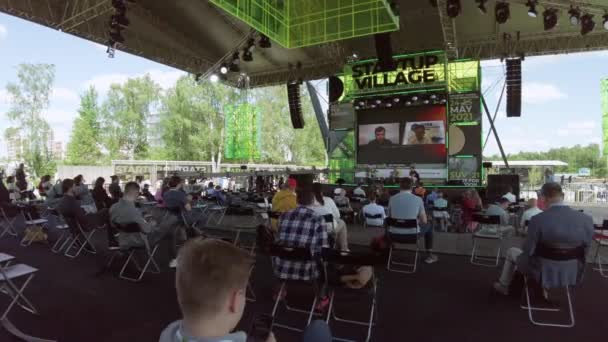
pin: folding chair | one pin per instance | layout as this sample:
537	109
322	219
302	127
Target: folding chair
81	240
331	229
293	255
32	224
8	226
335	257
7	276
216	213
63	228
5	259
441	215
544	252
489	230
601	241
412	238
134	228
367	216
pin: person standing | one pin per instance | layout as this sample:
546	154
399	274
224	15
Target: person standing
414	175
114	188
20	176
407	206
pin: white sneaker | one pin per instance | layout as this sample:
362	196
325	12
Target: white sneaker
173	263
431	259
500	288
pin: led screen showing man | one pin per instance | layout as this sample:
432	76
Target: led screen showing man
424	132
379	135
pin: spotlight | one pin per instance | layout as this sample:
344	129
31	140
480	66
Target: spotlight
247	55
443	101
356	107
414	98
361	103
482	6
587	24
575	15
223	69
453	8
502	12
214	78
372	106
532	8
396	100
408	103
265	42
197	77
550	18
425	101
378	101
355	56
389	105
234	66
605	21
433	97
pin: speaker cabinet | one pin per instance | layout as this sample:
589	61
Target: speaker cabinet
336	88
498	185
384	51
513	87
295	105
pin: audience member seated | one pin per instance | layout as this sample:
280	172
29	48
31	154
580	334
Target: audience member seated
359	192
212	297
509	195
303	228
103	202
470	204
70	207
210	192
559	226
441	215
430	198
219	195
373	209
13	191
419	190
44	185
82	192
147	194
54	195
499	208
324	205
158	196
284	200
125	212
532	211
341	200
114	188
407	206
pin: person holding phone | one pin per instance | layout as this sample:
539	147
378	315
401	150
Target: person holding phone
211	297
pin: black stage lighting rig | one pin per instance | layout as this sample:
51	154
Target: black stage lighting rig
502	12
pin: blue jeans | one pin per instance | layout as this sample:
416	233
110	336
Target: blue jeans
317	331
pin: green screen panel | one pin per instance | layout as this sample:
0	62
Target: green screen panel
299	23
243	125
343	158
464	76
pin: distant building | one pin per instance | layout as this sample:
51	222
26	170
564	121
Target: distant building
14	147
153	130
57	150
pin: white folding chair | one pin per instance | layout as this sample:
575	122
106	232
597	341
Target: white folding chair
601	242
8	227
489	230
32	223
81	240
411	239
8	274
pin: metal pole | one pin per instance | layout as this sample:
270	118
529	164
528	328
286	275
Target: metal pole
495	114
502	152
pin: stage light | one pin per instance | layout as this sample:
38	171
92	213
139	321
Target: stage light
605	21
414	98
425	101
265	42
453	8
214	78
482	6
575	15
550	18
396	100
408	103
247	55
361	103
378	101
389	105
234	66
532	8
356	107
355	56
224	69
502	12
372	106
587	24
433	96
444	100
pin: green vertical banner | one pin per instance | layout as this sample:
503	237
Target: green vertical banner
242	132
604	97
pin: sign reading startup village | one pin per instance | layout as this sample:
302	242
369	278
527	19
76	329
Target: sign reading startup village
419	71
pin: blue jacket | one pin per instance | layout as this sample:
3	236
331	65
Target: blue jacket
558	226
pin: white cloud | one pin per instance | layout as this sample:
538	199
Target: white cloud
540	93
64	95
4	97
165	79
3	32
99	46
577	128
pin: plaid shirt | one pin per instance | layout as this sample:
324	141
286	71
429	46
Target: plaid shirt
303	228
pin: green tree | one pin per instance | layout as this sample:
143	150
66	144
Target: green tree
124	115
84	146
29	97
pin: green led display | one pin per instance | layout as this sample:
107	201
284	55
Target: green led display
243	126
299	23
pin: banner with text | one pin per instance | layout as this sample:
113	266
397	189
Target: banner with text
464	107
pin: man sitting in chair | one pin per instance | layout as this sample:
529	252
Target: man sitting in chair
177	201
440	212
407	206
125	212
499	208
372	209
532	211
559	226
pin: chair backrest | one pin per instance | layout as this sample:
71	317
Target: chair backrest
486	219
559	253
335	256
289	253
440	209
72	223
398	223
274	214
130	227
174	210
329	218
375	216
604	226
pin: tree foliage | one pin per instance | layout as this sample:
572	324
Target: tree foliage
28	98
84	147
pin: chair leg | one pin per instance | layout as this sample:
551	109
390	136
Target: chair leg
54	249
19	295
531	309
600	266
412	267
482	260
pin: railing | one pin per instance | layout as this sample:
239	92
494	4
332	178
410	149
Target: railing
588	193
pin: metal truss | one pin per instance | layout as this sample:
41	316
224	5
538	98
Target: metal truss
448	27
587	6
78	12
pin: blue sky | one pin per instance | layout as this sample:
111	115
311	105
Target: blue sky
561	101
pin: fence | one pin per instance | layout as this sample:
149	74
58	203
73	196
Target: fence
584	193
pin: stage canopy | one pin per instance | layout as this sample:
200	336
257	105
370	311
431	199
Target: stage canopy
196	36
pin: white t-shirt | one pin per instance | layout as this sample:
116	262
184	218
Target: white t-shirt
528	214
374	209
510	197
405	206
329	207
359	192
